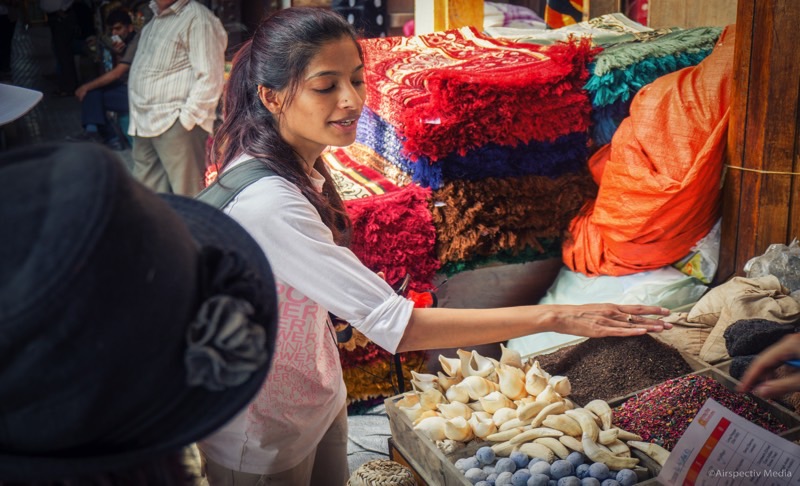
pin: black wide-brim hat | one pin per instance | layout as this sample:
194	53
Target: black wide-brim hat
131	324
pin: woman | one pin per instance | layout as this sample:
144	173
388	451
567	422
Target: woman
296	88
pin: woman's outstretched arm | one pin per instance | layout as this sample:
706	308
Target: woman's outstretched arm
450	328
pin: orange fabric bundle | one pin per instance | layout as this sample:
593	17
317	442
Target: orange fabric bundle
659	178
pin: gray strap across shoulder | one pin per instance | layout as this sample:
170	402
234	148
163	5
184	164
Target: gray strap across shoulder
232	182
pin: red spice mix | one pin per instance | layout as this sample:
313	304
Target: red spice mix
662	414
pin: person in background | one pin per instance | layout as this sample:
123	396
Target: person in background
8	22
175	83
296	88
108	92
759	377
132	324
64	29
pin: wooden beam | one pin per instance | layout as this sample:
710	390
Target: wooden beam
602	7
761	197
439	15
691	13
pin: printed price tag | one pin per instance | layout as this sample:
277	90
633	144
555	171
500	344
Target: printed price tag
722	448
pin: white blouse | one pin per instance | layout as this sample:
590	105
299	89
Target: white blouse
304	390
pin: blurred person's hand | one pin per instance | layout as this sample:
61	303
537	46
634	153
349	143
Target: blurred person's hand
80	93
760	377
118	46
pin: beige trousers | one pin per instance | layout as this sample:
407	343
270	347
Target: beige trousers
173	162
325	466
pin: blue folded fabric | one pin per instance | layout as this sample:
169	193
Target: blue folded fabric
567	154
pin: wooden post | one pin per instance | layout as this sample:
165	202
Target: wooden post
439	15
761	197
597	8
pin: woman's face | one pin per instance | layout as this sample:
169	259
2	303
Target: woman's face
325	108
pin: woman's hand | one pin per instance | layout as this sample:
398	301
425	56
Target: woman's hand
599	320
760	375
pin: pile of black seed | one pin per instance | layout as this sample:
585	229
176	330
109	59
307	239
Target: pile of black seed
751	336
610	367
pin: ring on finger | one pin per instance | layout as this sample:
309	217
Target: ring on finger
630	319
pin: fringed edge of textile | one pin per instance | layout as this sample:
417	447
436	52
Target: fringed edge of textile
484	218
509	121
394	234
504	108
566	154
473	107
623	84
620	56
606	120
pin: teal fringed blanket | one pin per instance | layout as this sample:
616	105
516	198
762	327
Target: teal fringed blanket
621	70
621	84
655	44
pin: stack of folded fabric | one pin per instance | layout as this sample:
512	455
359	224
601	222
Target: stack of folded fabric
621	69
392	226
497	130
632	56
392	233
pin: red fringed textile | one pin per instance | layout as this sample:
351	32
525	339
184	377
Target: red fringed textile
490	216
394	234
448	92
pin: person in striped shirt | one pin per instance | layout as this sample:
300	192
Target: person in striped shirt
174	85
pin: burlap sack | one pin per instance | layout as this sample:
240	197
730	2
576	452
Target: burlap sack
685	336
741	298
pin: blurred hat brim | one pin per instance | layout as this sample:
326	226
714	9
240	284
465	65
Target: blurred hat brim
16	102
192	413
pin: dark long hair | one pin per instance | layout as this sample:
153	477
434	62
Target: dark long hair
277	57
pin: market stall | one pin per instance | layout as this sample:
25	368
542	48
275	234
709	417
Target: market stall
653	387
473	153
599	419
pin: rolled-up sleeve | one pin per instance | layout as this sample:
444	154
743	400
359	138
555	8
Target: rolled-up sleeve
302	253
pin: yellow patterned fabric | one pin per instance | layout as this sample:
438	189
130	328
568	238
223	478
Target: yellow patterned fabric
559	13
